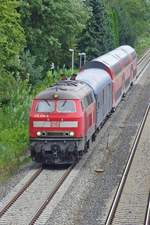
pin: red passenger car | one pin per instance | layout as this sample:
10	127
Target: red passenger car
121	65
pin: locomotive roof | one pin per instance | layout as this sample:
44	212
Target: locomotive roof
97	79
113	60
66	89
129	50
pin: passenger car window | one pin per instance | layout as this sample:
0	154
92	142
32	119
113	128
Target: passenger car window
89	99
85	102
66	106
45	106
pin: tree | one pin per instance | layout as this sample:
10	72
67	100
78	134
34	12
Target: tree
12	38
97	38
28	70
126	30
133	19
52	28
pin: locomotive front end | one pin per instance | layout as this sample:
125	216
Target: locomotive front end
56	128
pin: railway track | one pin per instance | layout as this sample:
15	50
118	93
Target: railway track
49	198
21	200
119	191
143	57
20	192
143	63
7	215
147	216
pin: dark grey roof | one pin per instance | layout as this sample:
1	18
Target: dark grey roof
95	78
66	89
113	59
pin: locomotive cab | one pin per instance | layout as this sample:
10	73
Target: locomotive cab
57	123
56	118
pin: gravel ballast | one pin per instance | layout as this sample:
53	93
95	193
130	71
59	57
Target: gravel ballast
89	197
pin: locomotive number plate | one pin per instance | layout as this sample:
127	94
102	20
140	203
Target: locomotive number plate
55	123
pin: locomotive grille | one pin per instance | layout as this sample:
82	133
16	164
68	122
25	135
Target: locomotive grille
57	134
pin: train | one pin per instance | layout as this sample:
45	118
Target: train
64	118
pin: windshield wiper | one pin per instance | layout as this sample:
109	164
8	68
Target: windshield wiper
64	103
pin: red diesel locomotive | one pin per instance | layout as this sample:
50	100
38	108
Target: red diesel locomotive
58	122
64	118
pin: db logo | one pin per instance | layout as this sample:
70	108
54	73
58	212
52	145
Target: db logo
55	124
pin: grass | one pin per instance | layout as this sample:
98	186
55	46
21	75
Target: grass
14	126
142	44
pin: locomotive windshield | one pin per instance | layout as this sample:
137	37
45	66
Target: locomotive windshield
45	106
66	106
61	106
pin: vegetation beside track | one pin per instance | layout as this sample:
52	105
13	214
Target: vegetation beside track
14	113
143	43
36	33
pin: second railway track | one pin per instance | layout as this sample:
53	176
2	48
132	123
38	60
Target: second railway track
119	191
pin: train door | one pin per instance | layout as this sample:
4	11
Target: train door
99	109
109	98
123	83
105	101
131	73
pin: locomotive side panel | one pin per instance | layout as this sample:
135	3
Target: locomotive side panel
99	80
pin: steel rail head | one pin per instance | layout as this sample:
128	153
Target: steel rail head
49	198
146	63
147	215
117	196
144	56
20	192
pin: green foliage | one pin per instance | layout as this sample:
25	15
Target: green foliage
52	28
97	37
115	25
28	68
136	11
12	38
13	143
133	19
51	79
13	122
142	44
127	35
6	84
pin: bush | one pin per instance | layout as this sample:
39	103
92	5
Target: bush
142	44
13	123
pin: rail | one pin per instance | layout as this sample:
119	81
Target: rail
20	192
126	170
147	216
49	198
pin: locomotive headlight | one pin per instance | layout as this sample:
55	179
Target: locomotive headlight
71	134
39	133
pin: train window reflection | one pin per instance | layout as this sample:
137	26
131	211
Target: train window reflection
45	106
66	106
